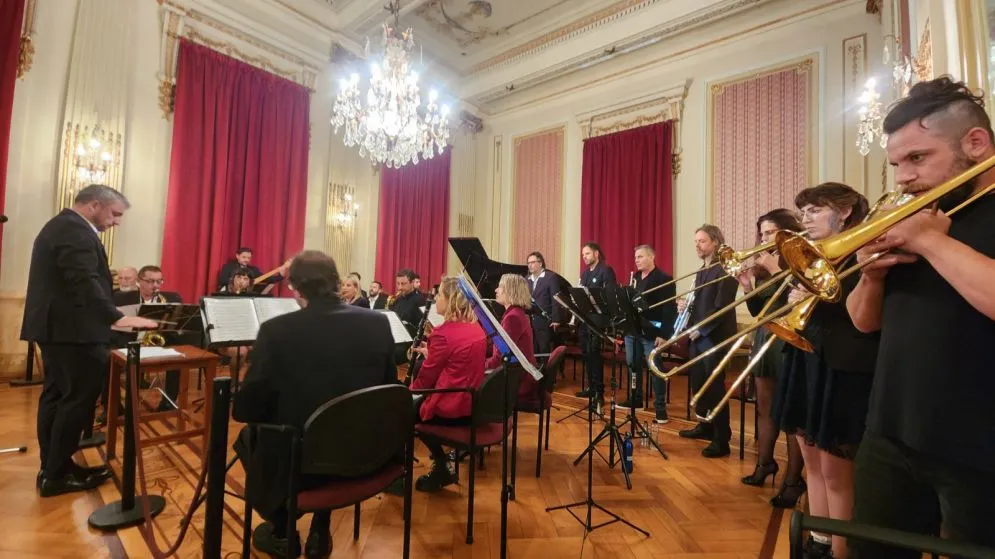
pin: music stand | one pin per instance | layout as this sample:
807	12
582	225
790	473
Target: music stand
510	354
579	302
627	322
589	501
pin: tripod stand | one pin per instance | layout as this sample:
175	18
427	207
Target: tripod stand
589	502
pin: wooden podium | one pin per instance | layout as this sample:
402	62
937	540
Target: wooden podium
189	363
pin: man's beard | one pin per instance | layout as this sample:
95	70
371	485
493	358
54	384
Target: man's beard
127	288
962	192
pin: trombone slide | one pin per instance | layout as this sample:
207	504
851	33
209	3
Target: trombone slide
739	380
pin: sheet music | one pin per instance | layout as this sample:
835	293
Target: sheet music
231	319
475	299
272	308
152	352
397	329
128	310
434	317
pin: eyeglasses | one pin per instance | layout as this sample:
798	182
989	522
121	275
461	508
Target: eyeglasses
152	281
532	262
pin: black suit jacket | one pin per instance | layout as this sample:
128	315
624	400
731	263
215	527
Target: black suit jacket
543	290
300	361
381	301
709	299
69	285
229	269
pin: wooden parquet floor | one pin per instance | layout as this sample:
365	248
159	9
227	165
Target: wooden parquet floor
693	507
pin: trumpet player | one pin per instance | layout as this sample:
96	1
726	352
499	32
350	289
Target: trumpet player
822	396
927	463
770	368
707	300
596	274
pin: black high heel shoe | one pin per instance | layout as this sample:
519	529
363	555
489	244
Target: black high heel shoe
789	494
759	476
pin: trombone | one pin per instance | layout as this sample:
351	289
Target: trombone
814	265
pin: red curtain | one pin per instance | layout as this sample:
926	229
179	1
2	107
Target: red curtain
11	15
413	225
238	169
627	195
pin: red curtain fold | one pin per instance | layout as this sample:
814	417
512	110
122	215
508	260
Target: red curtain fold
238	169
413	225
11	16
627	195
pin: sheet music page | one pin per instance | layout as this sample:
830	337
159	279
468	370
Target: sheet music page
231	319
128	310
152	352
397	329
267	308
434	317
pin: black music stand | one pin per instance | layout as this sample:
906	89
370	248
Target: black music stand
578	302
627	322
610	427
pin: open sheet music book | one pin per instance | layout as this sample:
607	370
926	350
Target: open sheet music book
397	329
236	320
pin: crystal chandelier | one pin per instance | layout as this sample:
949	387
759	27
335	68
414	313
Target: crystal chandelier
345	213
92	160
871	117
903	68
392	127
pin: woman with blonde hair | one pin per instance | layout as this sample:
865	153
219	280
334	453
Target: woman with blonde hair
512	293
454	358
352	293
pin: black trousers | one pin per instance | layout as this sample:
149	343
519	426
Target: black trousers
594	362
434	447
901	488
74	377
721	430
542	336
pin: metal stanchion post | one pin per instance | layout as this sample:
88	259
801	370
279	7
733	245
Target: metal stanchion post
128	511
216	458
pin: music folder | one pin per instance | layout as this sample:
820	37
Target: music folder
397	329
503	343
236	320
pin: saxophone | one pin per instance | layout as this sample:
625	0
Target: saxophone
391	300
151	338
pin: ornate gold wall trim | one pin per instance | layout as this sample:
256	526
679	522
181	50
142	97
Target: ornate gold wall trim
924	55
658	107
855	166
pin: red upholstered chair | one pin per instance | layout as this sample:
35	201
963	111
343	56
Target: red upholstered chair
364	458
542	404
493	418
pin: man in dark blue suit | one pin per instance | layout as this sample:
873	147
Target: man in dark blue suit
68	312
707	300
596	275
547	315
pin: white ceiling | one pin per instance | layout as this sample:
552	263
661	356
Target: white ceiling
485	50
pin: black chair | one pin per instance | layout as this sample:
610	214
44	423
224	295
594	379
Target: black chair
493	418
543	403
358	439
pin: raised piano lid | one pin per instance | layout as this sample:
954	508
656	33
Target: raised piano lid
482	271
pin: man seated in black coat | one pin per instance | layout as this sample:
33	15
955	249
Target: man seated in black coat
242	262
150	281
300	361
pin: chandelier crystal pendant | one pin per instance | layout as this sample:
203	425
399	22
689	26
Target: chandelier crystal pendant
92	161
391	127
871	119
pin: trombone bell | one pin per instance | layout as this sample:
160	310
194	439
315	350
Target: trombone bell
789	327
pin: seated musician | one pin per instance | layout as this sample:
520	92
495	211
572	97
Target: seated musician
407	304
352	294
513	294
240	284
127	279
359	281
150	281
454	358
242	261
300	361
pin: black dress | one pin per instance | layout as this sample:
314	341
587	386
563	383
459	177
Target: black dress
770	363
824	395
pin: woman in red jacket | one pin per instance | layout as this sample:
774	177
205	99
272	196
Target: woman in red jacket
513	294
454	358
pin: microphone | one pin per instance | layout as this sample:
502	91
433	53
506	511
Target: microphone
3	219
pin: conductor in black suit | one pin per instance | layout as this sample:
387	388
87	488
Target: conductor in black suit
543	284
597	274
68	312
707	300
300	361
150	281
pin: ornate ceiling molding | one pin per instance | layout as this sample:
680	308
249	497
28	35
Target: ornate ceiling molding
631	44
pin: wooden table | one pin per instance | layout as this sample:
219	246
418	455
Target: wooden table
191	361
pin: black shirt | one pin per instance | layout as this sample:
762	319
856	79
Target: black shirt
934	382
663	315
408	309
